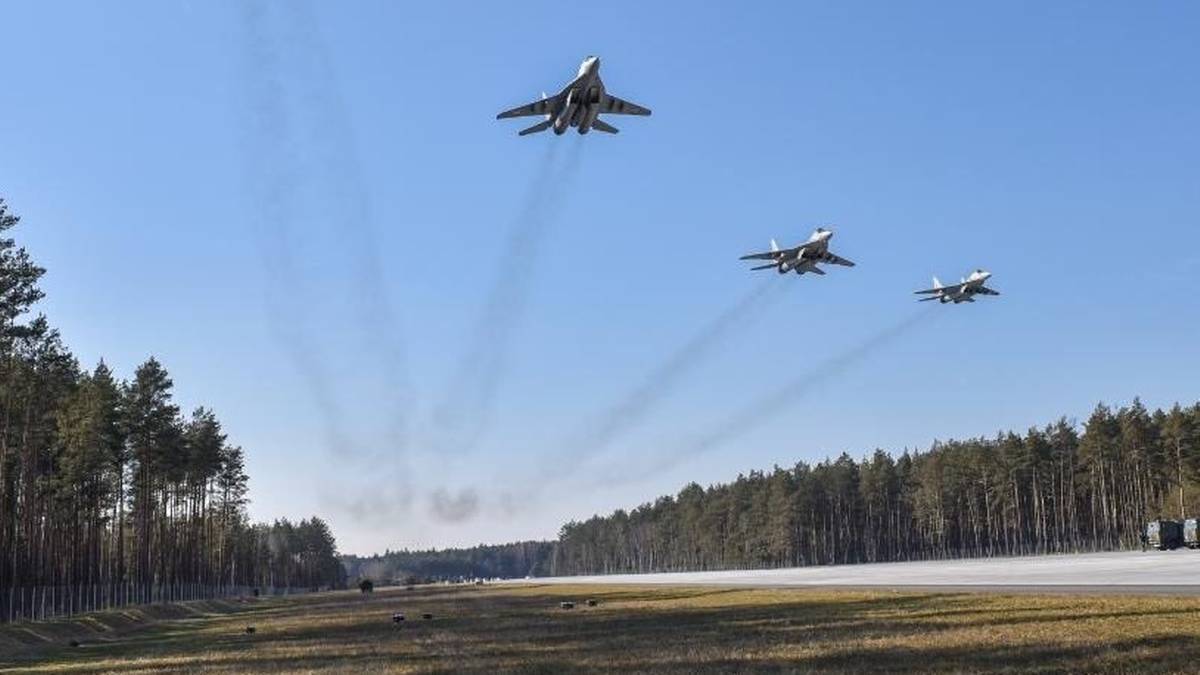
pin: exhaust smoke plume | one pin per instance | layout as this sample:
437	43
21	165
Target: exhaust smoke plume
665	378
272	176
454	508
774	402
465	413
336	149
379	504
278	163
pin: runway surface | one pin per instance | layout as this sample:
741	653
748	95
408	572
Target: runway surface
1169	572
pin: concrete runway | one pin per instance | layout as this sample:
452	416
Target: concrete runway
1131	572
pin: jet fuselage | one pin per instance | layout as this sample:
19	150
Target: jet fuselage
581	104
806	256
967	288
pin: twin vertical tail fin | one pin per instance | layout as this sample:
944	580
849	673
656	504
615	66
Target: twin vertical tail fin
936	283
774	246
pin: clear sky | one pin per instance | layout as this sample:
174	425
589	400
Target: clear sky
303	210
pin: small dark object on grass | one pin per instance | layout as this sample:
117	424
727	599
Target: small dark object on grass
427	616
397	617
74	643
593	602
566	605
249	630
366	586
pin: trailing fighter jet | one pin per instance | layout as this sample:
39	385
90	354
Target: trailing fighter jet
578	105
964	291
802	258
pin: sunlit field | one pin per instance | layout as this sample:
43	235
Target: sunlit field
524	629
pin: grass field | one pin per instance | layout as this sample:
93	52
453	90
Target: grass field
660	629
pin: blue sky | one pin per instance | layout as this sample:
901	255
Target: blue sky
301	210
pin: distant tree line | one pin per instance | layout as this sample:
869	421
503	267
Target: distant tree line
1050	490
108	494
1054	489
505	561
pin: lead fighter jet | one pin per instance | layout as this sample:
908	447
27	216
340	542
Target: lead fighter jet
802	258
964	291
578	105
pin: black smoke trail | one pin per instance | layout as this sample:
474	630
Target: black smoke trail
333	142
454	509
774	402
665	378
379	504
272	176
465	412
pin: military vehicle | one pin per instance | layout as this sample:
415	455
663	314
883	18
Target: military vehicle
1191	533
1164	534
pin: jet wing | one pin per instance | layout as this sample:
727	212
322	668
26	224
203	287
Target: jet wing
541	107
769	255
772	255
986	291
616	106
952	288
836	260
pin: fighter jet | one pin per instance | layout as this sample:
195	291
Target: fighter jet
802	258
578	105
964	291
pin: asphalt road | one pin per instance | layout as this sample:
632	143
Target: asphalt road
1132	572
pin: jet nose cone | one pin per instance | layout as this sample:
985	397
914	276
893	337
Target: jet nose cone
590	66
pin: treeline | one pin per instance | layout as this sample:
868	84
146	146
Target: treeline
1049	490
1055	489
289	556
108	494
505	561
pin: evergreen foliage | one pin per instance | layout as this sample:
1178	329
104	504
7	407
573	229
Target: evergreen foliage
1055	489
108	496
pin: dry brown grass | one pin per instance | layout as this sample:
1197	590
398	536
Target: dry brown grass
679	630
